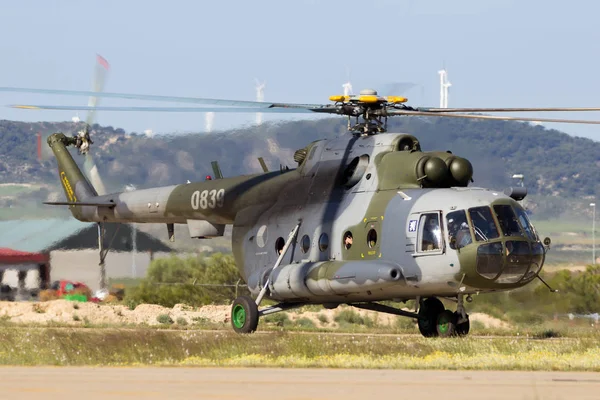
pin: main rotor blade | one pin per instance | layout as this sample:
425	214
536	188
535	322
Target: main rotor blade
89	166
150	97
505	109
91	170
100	71
274	109
494	117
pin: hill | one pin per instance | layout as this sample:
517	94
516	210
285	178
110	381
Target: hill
561	171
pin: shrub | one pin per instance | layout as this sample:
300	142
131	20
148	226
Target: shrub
352	317
305	323
174	280
279	319
164	319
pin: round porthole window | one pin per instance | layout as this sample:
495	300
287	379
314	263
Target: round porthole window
279	244
372	238
323	242
305	244
348	240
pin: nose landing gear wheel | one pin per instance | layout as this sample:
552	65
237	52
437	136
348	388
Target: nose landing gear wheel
244	315
446	324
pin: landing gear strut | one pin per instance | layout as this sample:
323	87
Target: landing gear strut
244	311
104	251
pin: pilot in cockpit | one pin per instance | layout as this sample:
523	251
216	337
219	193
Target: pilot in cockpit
459	229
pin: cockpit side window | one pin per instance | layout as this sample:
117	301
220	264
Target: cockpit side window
527	227
458	228
431	232
483	224
508	220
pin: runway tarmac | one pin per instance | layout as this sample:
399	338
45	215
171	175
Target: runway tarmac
91	383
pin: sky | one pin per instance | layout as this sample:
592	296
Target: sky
498	53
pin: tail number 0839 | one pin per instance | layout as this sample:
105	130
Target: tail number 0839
208	199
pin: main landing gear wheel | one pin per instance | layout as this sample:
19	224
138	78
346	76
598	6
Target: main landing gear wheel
244	315
429	309
446	324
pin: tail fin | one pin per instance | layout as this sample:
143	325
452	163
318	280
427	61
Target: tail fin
77	188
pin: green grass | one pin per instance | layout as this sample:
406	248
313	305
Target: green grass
52	346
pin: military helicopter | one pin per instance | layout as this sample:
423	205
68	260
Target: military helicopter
364	218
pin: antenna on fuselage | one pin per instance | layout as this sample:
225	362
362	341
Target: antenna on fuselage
261	161
216	170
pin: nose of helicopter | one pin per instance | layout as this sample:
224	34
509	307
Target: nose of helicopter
497	245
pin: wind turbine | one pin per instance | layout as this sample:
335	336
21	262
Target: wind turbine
347	86
444	85
209	121
260	96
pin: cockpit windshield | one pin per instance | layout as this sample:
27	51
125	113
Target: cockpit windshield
483	223
508	220
458	228
527	227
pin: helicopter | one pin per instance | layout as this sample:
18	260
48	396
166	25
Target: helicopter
363	219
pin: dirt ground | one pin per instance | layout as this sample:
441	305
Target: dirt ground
76	313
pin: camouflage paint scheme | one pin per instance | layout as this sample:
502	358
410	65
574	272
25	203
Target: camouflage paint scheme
384	194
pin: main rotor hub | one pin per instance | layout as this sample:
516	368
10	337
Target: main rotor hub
371	92
368	106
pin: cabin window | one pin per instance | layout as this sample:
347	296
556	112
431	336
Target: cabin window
323	242
348	240
430	232
279	245
305	244
372	238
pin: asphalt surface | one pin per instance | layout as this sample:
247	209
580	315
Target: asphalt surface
91	383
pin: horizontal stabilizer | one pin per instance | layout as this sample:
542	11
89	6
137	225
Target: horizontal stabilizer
80	203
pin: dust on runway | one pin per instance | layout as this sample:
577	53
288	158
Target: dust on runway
94	383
